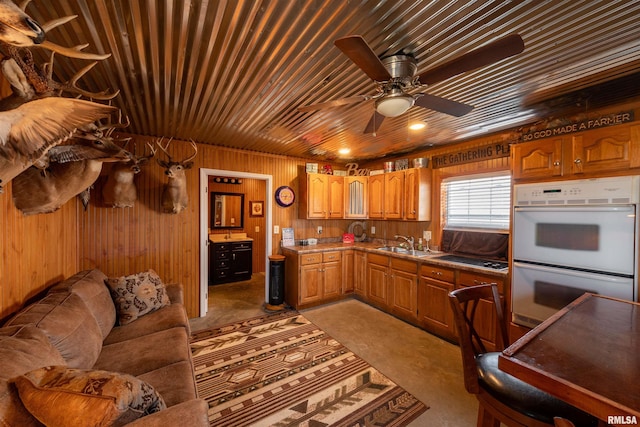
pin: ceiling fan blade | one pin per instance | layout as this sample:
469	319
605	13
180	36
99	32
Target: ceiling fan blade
334	103
485	55
374	123
442	105
357	49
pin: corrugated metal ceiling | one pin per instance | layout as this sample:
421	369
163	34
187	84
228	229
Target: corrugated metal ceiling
233	73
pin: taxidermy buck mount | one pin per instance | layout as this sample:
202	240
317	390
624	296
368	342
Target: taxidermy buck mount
69	170
175	197
120	189
36	116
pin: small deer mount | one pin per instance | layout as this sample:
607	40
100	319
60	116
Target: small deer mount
119	190
175	196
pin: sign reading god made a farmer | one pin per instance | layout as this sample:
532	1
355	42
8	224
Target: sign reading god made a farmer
580	125
475	154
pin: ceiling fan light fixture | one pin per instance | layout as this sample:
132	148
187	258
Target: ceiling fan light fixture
394	103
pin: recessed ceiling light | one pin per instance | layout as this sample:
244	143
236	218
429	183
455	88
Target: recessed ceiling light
344	151
417	125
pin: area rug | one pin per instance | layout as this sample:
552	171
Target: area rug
282	370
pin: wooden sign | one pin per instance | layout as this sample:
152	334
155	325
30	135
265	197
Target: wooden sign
579	125
475	154
352	170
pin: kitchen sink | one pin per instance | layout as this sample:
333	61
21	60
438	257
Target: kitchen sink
395	249
399	250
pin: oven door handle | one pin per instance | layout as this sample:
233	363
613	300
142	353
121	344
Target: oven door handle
604	276
625	208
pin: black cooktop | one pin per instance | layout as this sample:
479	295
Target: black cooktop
496	265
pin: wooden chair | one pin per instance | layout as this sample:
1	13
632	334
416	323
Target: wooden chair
561	422
502	398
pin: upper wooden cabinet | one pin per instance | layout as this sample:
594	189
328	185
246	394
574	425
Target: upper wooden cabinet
394	195
615	148
321	196
376	196
356	196
417	201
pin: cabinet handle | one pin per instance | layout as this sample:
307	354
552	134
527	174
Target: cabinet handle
233	256
556	163
480	282
436	273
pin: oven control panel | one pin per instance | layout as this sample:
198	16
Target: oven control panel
598	191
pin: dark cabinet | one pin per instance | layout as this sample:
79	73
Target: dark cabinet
230	262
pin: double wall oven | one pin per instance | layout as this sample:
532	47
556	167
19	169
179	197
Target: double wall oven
572	237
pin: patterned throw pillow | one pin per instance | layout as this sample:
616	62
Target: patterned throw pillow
137	294
60	396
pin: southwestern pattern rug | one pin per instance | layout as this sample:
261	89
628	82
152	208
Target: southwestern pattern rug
282	370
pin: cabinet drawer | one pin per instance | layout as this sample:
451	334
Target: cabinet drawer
240	245
221	255
473	279
221	246
331	256
310	259
437	272
404	265
378	259
222	263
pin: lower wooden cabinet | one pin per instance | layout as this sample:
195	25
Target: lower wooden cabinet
312	279
360	273
434	309
403	288
377	276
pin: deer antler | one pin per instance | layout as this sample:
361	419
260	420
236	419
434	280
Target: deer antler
72	87
164	149
195	148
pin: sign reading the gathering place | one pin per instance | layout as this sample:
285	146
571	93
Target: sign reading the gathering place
580	125
475	154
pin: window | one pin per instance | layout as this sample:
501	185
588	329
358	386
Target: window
480	201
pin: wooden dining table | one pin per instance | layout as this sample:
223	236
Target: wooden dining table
587	354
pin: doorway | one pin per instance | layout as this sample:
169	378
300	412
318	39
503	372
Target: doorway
204	227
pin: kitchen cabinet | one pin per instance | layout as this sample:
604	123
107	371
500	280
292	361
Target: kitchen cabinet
230	262
313	278
434	310
403	288
394	195
348	271
486	323
609	149
321	196
360	273
356	197
377	277
417	202
376	196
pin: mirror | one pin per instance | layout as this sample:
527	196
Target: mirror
227	210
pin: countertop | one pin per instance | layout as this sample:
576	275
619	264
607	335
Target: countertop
372	247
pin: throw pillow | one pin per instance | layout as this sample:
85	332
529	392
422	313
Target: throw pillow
60	396
137	295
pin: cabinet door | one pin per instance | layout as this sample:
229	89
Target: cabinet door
360	273
317	195
393	195
241	261
377	284
537	159
310	283
434	309
417	202
332	279
348	271
606	149
403	293
356	196
376	196
336	196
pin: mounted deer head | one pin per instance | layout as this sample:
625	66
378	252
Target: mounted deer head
120	190
70	171
175	197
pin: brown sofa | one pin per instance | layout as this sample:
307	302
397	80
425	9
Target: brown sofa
74	325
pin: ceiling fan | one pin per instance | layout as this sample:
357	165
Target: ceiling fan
395	75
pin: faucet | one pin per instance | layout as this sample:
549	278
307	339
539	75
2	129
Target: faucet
409	241
228	236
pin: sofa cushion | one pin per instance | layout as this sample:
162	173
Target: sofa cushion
90	286
174	382
61	397
137	294
167	317
147	353
23	348
68	324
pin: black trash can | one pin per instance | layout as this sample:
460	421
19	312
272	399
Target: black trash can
276	282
